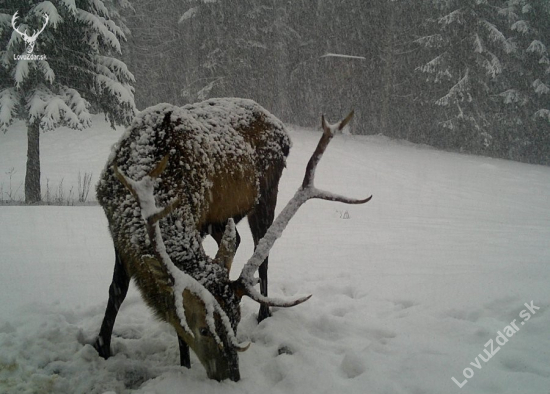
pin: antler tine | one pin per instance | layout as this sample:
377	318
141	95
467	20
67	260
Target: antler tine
307	191
328	196
253	294
13	19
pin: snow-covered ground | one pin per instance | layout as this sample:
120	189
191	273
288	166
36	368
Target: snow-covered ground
408	290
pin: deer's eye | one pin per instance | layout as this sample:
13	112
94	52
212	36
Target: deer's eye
204	331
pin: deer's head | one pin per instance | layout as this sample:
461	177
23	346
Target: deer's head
215	349
29	40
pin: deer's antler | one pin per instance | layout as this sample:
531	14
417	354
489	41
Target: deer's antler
23	34
245	283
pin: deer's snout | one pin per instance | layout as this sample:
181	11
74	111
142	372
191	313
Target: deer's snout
225	368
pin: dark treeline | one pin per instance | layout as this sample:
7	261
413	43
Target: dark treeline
464	75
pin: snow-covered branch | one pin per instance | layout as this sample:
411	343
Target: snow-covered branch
8	99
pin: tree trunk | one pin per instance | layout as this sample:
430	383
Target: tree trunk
388	75
32	177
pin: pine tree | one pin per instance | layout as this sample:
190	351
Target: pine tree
238	49
468	51
527	94
74	71
156	51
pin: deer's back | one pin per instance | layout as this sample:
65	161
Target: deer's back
222	154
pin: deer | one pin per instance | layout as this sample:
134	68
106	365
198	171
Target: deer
177	175
30	41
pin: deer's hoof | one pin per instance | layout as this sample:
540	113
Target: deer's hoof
104	350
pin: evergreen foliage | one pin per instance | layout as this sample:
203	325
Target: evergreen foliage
80	73
74	71
464	75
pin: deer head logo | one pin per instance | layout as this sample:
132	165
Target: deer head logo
29	40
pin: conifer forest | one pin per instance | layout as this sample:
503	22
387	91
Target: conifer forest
462	75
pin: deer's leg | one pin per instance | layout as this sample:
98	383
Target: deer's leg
185	360
117	293
260	220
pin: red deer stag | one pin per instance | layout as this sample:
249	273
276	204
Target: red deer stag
176	175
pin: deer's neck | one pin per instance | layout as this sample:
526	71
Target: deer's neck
182	240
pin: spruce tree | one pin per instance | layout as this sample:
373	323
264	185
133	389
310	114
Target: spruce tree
73	70
526	98
468	51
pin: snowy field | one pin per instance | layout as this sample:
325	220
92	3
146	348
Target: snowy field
409	291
